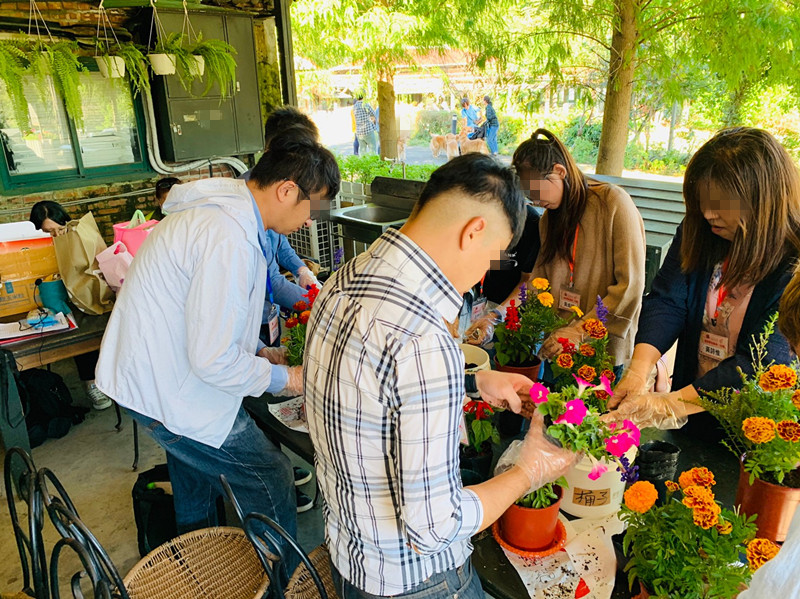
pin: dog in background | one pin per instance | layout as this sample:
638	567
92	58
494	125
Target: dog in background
402	143
472	145
438	145
452	149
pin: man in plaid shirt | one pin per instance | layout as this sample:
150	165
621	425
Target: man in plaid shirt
385	386
366	129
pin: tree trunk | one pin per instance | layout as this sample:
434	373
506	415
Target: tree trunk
733	112
388	122
673	122
616	113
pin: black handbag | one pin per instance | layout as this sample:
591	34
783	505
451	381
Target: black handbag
478	132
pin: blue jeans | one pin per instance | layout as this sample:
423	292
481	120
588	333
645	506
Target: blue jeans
369	143
491	138
260	475
461	582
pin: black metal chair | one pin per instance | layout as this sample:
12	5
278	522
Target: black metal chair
19	475
271	542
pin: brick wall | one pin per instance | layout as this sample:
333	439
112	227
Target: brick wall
66	14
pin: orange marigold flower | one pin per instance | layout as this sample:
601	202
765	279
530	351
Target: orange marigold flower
300	306
595	328
697	476
759	429
546	299
586	350
724	527
759	552
641	496
788	430
600	394
696	497
609	374
304	316
587	373
672	486
796	399
291	323
778	377
707	516
565	361
540	283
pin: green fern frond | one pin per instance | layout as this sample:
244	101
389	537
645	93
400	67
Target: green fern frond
12	70
220	64
66	71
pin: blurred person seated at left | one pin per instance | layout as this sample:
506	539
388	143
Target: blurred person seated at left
162	189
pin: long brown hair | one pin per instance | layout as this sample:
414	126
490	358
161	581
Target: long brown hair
754	168
541	153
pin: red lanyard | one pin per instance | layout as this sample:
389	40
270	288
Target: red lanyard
572	260
722	292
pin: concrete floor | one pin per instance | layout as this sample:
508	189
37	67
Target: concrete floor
94	463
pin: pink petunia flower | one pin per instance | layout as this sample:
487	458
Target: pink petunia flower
633	431
576	412
619	444
604	385
582	385
539	393
598	470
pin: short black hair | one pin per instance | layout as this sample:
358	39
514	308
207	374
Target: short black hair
301	160
47	209
164	185
484	179
464	101
284	117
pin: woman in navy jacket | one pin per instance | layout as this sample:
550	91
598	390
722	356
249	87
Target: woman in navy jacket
728	265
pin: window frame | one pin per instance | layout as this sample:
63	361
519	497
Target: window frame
80	176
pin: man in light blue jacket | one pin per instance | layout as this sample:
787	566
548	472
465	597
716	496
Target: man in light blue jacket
181	348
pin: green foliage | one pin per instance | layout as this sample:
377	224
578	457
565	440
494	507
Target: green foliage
363	169
656	160
674	557
510	134
58	62
175	45
431	122
768	460
12	70
543	496
135	62
480	427
220	64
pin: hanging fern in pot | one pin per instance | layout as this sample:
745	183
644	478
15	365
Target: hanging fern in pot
185	65
12	70
134	59
59	61
220	64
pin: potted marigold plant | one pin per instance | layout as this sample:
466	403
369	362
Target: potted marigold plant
477	454
296	324
762	424
589	360
689	547
597	482
526	325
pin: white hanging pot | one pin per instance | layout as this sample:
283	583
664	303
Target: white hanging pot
111	67
163	64
199	66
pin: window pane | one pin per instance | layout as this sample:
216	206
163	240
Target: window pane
47	147
109	136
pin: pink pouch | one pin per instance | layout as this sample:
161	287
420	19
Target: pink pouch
134	232
114	262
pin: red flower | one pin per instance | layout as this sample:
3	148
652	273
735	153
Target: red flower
512	316
291	323
304	316
481	409
311	294
567	346
300	306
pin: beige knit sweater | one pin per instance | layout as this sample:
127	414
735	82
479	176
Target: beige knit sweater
609	262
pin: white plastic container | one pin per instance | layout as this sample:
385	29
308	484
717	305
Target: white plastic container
475	355
111	67
163	64
587	498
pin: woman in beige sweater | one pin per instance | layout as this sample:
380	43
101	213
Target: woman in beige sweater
592	244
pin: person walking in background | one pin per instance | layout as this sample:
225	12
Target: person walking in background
492	125
366	129
469	114
353	125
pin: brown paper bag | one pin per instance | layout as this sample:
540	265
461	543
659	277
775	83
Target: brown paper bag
76	252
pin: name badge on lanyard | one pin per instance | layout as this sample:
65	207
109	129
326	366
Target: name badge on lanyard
568	297
274	325
713	346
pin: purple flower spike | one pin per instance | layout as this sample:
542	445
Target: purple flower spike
630	474
523	294
338	256
602	311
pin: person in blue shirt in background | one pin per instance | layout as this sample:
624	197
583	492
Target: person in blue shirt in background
470	114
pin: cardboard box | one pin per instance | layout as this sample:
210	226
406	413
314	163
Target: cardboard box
26	255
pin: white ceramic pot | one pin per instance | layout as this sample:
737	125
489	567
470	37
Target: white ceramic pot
199	67
587	498
111	67
475	355
163	64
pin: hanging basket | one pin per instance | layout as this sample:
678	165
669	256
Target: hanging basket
163	64
199	66
111	67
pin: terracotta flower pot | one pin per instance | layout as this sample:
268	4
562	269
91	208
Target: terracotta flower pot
643	594
532	371
774	504
528	528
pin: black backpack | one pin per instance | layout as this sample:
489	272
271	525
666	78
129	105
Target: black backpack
49	412
153	510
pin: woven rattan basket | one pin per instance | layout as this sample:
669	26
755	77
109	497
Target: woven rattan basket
213	563
301	585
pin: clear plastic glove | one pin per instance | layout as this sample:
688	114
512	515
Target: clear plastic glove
294	386
503	389
664	411
542	461
482	330
552	347
632	384
275	355
306	278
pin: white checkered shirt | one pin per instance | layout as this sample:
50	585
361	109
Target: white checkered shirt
384	385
